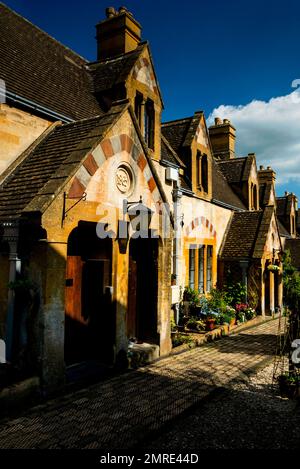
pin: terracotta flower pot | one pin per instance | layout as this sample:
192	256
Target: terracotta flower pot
210	324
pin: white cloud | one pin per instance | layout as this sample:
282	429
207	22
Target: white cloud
271	130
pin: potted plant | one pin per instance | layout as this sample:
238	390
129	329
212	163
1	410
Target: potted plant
289	385
211	319
273	268
195	324
192	299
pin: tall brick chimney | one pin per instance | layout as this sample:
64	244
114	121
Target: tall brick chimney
266	175
222	137
117	34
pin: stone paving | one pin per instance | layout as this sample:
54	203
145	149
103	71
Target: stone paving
120	412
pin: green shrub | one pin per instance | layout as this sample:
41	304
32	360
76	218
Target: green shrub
179	339
195	324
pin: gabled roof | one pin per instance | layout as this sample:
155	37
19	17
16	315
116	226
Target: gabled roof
51	163
221	190
176	132
194	124
282	230
294	247
111	72
247	235
41	70
236	170
181	132
242	234
168	155
284	205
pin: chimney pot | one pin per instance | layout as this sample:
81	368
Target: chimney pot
118	34
269	168
286	193
226	121
218	121
110	12
261	168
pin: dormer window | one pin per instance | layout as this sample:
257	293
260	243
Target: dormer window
202	172
198	169
255	205
293	225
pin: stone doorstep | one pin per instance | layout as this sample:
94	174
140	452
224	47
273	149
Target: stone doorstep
220	332
19	394
142	353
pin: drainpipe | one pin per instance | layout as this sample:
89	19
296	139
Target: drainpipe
177	195
11	235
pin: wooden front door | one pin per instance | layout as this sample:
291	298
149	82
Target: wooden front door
89	318
131	308
142	290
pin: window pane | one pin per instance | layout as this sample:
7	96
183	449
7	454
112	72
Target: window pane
192	268
204	173
138	106
149	123
209	269
201	269
198	169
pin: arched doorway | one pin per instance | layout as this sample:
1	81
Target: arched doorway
89	316
142	290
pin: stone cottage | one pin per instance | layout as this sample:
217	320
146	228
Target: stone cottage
107	214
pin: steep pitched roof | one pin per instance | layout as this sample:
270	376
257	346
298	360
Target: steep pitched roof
38	68
282	230
265	190
176	132
221	190
237	169
242	235
283	205
168	155
44	169
110	72
181	132
294	246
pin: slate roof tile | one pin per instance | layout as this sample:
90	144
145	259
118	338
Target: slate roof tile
168	155
242	234
176	131
222	191
38	68
294	246
52	161
233	170
110	72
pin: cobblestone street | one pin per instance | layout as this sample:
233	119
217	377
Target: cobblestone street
121	412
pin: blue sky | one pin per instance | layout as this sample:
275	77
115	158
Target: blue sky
217	56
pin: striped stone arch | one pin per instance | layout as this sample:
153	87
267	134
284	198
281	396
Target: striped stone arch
197	223
105	150
148	77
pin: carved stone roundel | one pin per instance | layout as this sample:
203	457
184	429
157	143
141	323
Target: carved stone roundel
123	179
